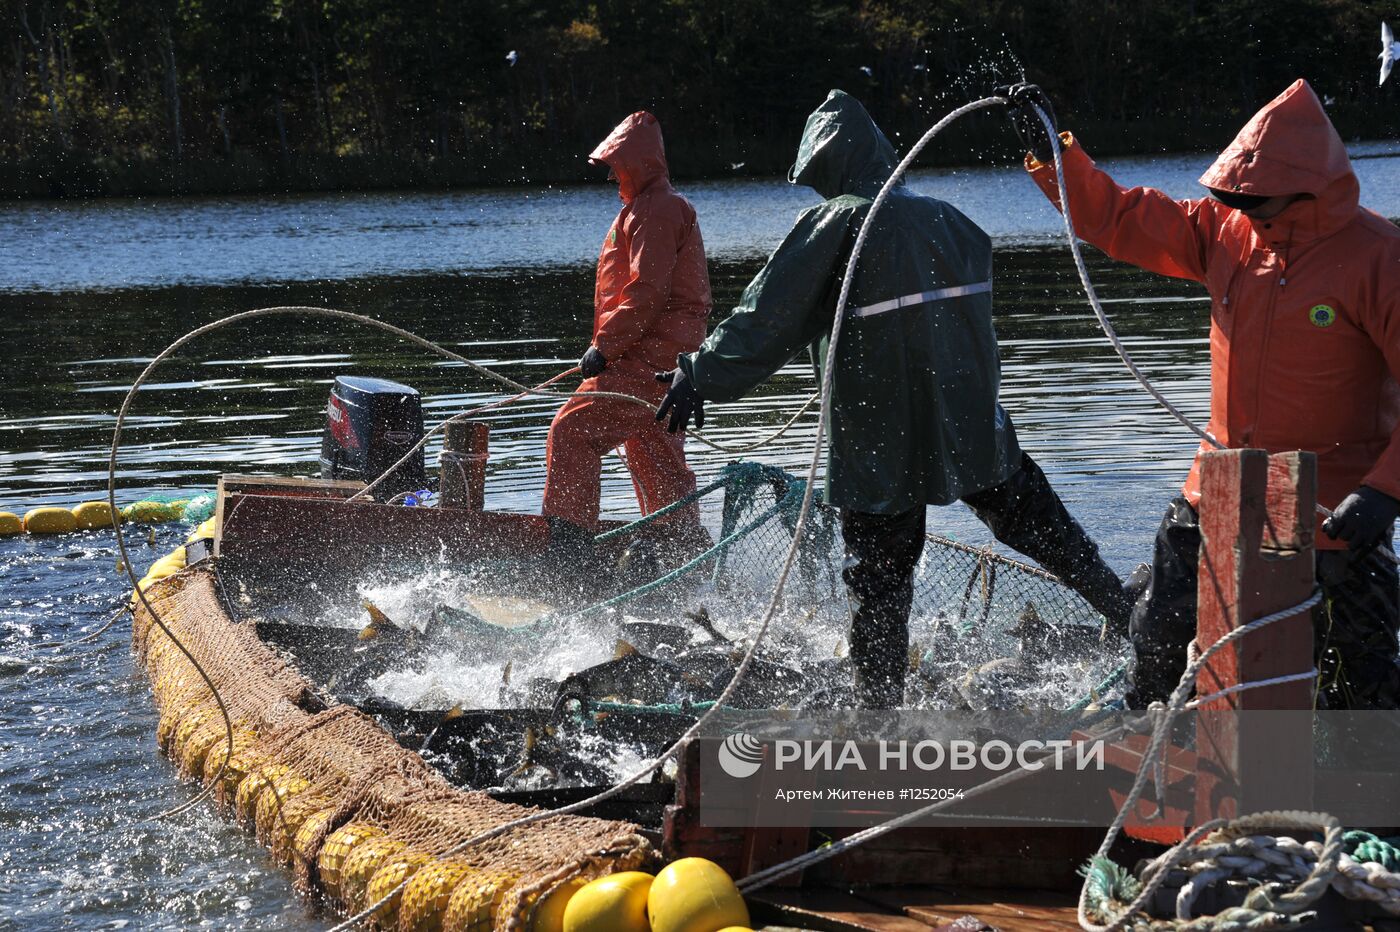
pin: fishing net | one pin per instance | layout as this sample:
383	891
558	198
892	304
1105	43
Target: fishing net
354	814
965	598
335	797
160	507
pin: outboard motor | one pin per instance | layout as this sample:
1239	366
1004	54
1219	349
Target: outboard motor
370	424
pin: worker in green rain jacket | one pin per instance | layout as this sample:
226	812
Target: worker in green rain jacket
914	413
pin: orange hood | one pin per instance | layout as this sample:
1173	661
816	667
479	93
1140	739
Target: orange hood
1291	147
635	153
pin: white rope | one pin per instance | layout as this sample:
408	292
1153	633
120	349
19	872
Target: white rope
526	390
1255	684
798	531
1162	728
801	862
1282	858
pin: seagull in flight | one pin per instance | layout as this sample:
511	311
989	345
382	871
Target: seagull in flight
867	70
1389	50
512	57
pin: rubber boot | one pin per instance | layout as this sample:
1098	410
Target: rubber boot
1164	618
881	553
1025	513
572	563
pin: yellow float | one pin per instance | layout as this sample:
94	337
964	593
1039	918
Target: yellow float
548	916
245	801
311	836
204	532
361	865
280	792
197	747
295	812
695	895
615	903
50	521
10	524
337	848
425	899
476	902
390	874
93	515
154	512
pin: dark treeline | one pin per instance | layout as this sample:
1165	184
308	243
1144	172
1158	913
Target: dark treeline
118	96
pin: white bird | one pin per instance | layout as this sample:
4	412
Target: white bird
737	165
867	70
921	67
1389	50
512	57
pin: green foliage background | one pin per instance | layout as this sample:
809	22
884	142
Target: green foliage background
119	96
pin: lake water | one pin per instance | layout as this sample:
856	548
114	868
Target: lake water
89	292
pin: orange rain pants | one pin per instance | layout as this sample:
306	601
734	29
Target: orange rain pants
585	430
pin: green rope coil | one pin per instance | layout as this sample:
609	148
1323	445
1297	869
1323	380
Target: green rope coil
1366	847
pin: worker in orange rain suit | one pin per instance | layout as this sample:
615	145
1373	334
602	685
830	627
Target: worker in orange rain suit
1305	354
650	302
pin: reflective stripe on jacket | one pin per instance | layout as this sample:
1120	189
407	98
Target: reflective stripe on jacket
915	418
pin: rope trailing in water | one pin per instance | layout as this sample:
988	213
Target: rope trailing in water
83	639
814	465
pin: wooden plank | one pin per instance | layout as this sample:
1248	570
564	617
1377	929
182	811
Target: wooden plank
1256	515
233	483
766	846
1005	910
270	526
828	909
1030	858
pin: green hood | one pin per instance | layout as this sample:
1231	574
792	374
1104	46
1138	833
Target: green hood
842	150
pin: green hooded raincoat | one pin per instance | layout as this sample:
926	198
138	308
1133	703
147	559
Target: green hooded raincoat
915	418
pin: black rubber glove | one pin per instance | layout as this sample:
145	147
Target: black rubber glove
592	363
1362	519
1024	98
682	400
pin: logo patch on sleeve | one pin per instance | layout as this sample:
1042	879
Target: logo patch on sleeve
1322	315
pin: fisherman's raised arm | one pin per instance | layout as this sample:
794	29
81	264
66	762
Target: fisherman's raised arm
1139	225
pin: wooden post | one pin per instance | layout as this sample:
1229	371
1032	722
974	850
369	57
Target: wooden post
462	465
1257	515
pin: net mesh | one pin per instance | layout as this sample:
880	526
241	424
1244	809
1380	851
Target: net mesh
335	796
965	598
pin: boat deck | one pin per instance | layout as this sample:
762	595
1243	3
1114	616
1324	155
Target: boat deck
917	909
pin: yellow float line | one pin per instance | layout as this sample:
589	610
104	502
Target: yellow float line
87	516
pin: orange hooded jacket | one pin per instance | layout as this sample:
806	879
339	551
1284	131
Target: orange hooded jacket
1305	307
653	291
